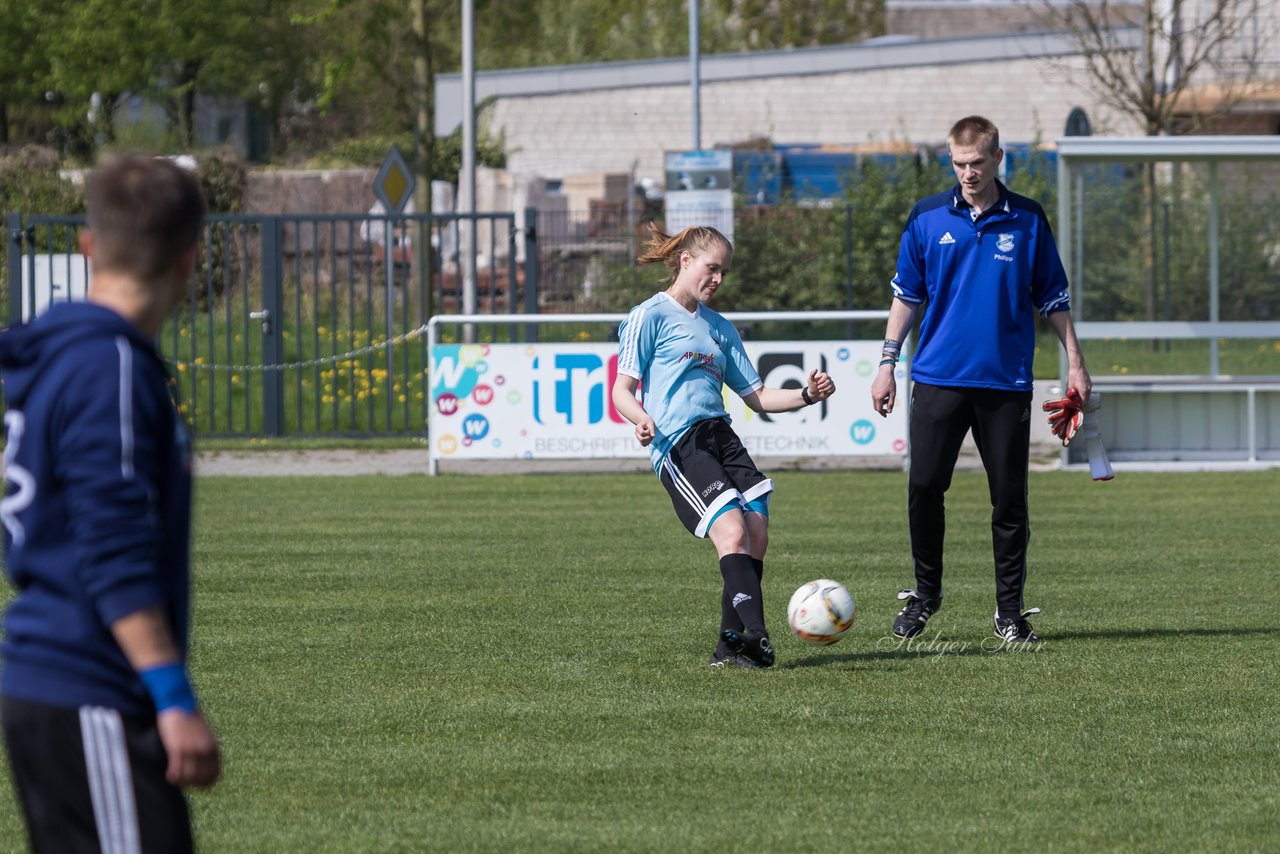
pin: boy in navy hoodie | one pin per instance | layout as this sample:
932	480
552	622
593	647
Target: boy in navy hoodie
100	720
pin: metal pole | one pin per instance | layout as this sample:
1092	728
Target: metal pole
1214	281
390	249
272	320
531	259
424	133
695	74
1065	199
1078	267
1168	273
431	416
16	240
631	212
468	184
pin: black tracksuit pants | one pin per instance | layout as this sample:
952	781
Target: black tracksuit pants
92	780
1001	425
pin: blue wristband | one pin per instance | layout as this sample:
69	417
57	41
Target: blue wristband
169	687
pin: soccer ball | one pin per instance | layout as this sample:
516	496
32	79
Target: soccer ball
820	612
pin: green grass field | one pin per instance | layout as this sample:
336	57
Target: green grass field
475	663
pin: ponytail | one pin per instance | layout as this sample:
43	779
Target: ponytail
665	248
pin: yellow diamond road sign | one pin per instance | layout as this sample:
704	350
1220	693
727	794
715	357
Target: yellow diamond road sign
394	184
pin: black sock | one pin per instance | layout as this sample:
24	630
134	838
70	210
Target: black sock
742	588
729	618
757	563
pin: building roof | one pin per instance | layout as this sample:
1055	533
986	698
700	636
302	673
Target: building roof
1257	97
875	54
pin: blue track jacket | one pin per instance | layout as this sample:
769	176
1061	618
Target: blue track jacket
97	505
983	282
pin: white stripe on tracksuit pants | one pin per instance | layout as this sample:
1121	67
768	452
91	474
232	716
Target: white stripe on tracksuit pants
110	780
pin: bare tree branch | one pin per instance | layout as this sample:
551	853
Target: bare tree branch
1188	73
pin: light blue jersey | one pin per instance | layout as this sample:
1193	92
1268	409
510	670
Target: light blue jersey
682	361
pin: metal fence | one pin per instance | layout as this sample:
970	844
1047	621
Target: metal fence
303	325
298	325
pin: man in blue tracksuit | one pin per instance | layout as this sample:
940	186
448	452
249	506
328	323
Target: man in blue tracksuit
983	262
100	720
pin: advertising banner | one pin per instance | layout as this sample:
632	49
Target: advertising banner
553	401
700	190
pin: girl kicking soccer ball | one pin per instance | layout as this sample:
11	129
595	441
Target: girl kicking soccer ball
681	353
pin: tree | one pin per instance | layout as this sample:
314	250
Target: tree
780	24
170	50
210	49
564	32
23	66
1185	44
104	48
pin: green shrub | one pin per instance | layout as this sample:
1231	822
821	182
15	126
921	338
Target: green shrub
223	178
30	183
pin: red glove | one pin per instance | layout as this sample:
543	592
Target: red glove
1065	415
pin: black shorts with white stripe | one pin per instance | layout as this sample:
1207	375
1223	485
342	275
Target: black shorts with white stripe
90	779
707	469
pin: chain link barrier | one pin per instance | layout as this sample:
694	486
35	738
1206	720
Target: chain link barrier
309	363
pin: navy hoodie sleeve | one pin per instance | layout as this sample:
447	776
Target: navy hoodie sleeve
108	437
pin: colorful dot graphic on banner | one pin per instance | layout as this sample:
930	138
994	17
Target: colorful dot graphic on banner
447	403
862	432
475	427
